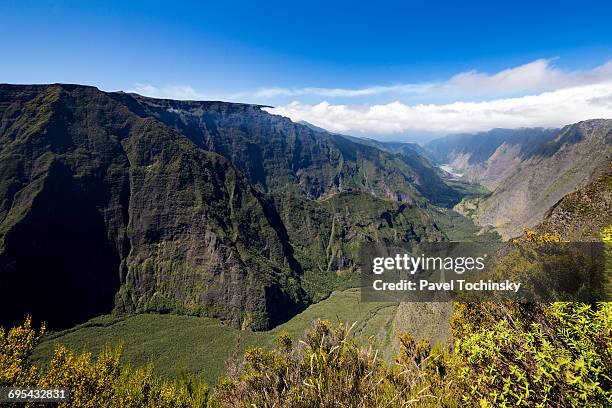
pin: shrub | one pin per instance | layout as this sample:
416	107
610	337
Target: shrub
560	358
328	369
503	354
102	381
15	349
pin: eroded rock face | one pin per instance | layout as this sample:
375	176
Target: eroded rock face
527	170
584	214
489	157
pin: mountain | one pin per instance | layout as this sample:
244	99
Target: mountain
98	202
488	157
577	155
117	201
411	153
326	234
313	127
406	148
278	155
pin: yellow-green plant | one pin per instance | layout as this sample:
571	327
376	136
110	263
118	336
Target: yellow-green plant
561	358
329	369
502	354
93	382
16	346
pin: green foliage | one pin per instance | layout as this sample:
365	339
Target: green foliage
93	382
502	354
173	207
201	345
554	355
326	234
15	350
534	354
558	355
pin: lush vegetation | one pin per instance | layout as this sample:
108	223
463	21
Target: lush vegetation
326	234
502	355
221	210
93	382
202	346
198	208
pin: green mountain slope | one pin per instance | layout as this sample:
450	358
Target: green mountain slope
114	201
326	234
203	347
97	200
406	148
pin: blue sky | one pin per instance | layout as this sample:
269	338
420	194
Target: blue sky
327	62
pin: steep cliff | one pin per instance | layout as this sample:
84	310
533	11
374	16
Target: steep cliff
326	234
96	199
583	214
115	201
489	157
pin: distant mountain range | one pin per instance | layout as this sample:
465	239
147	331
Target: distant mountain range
527	170
406	148
488	157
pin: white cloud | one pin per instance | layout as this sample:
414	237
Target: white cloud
536	76
546	109
183	92
534	94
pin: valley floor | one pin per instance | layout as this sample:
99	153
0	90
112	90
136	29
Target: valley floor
203	346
